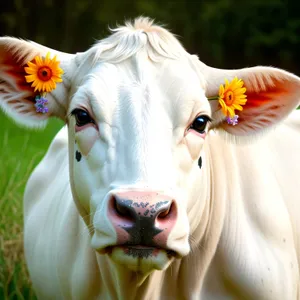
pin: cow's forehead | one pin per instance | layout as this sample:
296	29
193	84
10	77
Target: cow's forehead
170	85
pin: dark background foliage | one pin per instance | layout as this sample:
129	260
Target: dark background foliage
224	33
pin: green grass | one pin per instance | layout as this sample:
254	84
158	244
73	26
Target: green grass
20	151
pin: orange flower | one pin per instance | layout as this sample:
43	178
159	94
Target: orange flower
232	96
44	73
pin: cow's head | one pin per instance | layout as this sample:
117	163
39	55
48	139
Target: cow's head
137	111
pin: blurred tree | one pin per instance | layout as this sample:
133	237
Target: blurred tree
224	33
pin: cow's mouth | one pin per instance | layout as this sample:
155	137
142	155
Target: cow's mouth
141	251
140	258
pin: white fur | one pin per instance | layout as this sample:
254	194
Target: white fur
237	231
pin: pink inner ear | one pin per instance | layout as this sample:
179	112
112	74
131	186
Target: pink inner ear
17	73
261	98
13	82
264	108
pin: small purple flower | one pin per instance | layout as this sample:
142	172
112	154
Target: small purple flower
41	104
232	121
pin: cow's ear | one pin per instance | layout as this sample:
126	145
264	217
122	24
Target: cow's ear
271	95
17	97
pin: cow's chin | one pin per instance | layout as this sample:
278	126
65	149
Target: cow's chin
141	259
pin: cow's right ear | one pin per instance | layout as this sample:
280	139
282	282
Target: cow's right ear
17	97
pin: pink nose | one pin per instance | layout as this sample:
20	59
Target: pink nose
142	218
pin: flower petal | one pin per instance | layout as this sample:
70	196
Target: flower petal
237	106
39	61
221	91
47	59
32	65
230	112
30	78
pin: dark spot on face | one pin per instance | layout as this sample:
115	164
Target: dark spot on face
200	162
78	155
283	240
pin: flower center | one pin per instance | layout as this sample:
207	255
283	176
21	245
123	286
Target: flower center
44	73
229	98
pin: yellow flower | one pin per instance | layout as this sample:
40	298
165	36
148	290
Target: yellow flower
44	73
232	96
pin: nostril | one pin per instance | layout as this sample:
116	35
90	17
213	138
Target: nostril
123	208
166	211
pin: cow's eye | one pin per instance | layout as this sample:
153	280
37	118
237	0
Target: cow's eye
200	123
82	117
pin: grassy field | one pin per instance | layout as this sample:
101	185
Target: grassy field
20	151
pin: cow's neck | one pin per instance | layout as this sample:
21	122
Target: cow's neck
118	282
181	280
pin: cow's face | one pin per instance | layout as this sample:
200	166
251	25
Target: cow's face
136	130
137	115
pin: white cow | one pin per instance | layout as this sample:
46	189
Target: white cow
119	207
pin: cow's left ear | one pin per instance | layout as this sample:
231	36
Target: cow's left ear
17	97
271	95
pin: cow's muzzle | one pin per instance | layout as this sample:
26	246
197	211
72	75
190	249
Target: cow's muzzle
142	220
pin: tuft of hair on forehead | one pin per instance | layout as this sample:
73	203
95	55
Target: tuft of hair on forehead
140	35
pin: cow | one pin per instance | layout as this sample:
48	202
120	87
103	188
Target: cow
147	192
